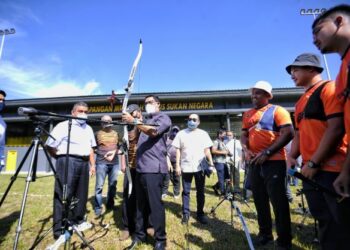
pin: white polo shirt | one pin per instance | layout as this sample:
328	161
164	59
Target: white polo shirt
191	144
82	139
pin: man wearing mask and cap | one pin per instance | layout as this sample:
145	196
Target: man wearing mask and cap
106	165
151	165
81	153
171	160
2	130
266	129
192	147
320	140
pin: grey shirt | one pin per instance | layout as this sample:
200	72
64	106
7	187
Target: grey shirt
151	152
220	145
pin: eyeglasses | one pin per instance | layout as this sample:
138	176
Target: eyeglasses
192	119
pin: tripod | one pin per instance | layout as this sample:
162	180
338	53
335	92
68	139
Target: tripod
230	196
304	212
31	176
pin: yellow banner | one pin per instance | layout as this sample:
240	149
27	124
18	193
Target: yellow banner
163	106
11	160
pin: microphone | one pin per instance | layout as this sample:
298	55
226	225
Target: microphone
27	111
318	187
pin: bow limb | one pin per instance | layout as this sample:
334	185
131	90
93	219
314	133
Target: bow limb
128	91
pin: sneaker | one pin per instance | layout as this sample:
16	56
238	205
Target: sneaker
164	196
203	219
124	235
176	196
185	219
83	226
60	241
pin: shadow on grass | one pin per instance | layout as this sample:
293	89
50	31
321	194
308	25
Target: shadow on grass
6	223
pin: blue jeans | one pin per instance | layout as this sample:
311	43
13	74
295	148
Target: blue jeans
222	172
199	179
101	171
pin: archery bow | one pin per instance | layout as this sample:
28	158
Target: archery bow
128	90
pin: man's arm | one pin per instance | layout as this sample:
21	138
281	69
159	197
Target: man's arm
52	151
216	151
178	157
294	151
245	145
286	134
209	156
92	162
342	183
330	139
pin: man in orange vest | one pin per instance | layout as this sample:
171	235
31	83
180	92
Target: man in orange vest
266	129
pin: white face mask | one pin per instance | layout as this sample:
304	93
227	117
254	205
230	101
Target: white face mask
150	108
82	115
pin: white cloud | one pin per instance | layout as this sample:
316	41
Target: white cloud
35	81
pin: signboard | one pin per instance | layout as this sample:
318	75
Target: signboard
11	160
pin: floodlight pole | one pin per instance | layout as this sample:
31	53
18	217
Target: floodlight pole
3	33
314	13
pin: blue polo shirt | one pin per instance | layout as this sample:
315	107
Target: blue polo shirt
151	152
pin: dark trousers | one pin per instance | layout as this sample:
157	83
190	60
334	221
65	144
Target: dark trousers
171	176
149	195
77	186
129	203
222	172
333	217
268	183
199	179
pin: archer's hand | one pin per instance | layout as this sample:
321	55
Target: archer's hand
178	171
308	172
259	159
92	171
126	117
248	155
342	183
109	156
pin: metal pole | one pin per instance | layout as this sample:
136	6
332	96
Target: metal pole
315	12
3	33
228	121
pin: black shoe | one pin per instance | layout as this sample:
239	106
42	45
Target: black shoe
262	240
185	219
134	244
216	190
203	219
160	245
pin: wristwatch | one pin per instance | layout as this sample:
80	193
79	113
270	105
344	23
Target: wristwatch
311	164
268	152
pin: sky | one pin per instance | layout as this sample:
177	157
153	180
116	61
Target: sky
87	47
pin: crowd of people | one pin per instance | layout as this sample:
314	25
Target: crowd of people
159	152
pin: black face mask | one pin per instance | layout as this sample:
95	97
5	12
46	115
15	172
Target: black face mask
2	106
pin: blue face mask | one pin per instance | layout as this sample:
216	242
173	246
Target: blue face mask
192	125
2	106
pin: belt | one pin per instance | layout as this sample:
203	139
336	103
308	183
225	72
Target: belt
80	157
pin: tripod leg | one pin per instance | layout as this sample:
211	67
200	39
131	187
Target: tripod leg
25	194
14	177
80	235
244	225
212	211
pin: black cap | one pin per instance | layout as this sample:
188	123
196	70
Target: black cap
132	107
306	60
2	92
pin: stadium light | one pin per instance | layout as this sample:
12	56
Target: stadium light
3	33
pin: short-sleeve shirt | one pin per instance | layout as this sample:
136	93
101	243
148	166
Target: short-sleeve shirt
312	129
341	85
192	144
106	141
219	145
82	139
152	151
260	139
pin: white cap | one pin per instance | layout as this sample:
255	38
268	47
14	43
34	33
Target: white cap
266	86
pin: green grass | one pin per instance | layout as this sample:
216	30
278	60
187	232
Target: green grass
218	234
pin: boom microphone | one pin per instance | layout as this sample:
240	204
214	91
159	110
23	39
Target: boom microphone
314	184
27	111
